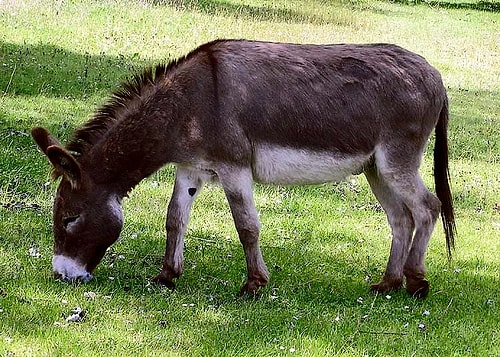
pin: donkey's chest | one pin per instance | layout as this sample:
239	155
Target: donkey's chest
290	166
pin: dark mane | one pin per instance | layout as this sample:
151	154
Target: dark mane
129	94
123	100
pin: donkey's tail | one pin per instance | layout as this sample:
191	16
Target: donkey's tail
441	178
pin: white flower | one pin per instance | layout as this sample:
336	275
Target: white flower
77	315
388	297
426	313
360	300
90	295
421	327
292	350
73	318
34	253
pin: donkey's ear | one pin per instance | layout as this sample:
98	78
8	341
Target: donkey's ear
64	164
43	139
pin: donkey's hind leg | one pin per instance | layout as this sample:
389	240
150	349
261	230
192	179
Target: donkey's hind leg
425	209
401	223
188	183
401	174
238	187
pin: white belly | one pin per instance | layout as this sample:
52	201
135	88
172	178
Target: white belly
287	166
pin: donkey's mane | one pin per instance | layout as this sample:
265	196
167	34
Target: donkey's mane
126	97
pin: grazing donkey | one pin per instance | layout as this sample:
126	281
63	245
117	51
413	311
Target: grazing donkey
244	111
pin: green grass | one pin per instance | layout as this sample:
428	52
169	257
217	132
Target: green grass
60	59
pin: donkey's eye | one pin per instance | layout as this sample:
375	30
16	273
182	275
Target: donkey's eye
68	220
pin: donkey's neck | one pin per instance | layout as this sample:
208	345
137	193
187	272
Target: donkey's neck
145	125
135	147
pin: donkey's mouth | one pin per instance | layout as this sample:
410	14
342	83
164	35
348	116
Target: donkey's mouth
73	280
69	270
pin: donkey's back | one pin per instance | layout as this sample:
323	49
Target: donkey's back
326	106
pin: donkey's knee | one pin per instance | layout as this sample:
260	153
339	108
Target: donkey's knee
433	205
427	211
249	233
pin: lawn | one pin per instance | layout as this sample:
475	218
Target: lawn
324	245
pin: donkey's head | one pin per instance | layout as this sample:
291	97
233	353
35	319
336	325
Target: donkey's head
87	216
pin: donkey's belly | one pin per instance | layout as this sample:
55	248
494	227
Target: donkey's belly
288	166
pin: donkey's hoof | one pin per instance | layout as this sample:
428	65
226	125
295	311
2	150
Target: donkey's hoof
417	288
251	288
162	280
387	285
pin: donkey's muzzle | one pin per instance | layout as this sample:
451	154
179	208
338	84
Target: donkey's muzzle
69	270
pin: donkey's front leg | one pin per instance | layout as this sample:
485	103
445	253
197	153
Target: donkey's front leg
188	183
238	186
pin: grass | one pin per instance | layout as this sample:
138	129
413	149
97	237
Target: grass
323	244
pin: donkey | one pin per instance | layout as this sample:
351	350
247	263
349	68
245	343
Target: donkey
242	111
